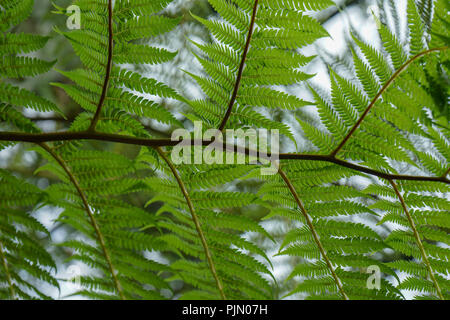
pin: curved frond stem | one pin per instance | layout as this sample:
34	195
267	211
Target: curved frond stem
108	69
241	68
154	143
418	240
441	125
7	273
94	223
380	93
359	168
314	232
196	221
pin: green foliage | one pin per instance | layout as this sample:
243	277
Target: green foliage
146	228
23	258
266	44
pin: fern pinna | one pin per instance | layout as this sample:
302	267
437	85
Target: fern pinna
20	232
369	191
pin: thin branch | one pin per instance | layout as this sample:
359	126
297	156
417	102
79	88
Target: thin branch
108	69
195	220
380	93
154	143
346	164
101	240
83	135
418	240
241	68
8	275
313	231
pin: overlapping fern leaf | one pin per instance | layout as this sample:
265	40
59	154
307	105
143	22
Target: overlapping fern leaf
24	262
235	268
109	38
388	118
108	238
376	118
93	182
386	126
336	249
419	211
255	48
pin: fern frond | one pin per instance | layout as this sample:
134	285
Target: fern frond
104	44
86	201
24	260
12	65
241	78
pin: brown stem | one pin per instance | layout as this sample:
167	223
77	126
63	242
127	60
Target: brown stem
108	69
241	68
196	221
346	164
96	227
313	231
8	275
418	240
154	143
380	93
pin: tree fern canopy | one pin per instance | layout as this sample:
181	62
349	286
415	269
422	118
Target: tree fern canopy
355	205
